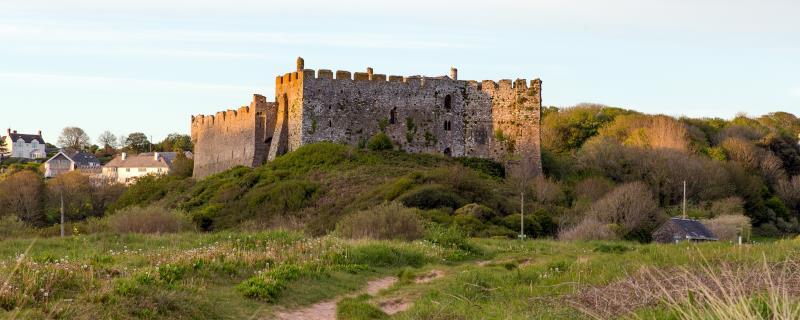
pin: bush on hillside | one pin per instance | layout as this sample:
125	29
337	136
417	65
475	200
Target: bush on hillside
389	220
380	142
150	189
485	166
478	211
432	196
152	219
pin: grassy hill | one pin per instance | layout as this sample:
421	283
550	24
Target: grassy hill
316	185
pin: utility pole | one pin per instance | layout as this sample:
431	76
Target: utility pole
62	213
522	215
684	199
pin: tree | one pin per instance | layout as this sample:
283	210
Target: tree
75	188
176	142
107	140
137	142
21	194
83	197
73	138
182	166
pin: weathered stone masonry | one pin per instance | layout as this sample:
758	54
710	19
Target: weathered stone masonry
496	120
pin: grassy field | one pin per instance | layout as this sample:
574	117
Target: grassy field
228	275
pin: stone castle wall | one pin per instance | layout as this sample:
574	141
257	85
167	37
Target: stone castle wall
443	115
232	138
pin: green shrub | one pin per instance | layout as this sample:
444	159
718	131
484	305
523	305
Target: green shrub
469	223
380	142
478	211
440	215
448	237
149	189
152	219
268	285
495	231
390	220
485	166
431	197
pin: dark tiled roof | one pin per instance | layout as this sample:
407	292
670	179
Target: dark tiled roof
694	229
26	137
83	159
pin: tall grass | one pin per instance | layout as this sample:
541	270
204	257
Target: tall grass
710	291
386	221
152	219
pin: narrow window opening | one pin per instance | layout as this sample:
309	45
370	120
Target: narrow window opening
447	102
393	116
447	125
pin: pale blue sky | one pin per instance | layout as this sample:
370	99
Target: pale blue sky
148	65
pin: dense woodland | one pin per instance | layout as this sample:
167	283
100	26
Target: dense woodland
610	173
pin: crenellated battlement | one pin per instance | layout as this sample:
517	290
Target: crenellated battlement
519	86
231	114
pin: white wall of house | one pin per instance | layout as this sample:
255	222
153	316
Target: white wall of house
20	149
128	175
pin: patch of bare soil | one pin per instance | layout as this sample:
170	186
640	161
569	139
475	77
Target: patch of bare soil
326	310
430	276
375	286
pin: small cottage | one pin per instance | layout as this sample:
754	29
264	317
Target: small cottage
65	161
678	229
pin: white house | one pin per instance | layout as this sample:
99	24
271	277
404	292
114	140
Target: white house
65	161
26	146
126	168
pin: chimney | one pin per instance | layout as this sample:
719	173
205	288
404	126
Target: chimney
155	156
300	64
370	72
453	73
124	156
40	133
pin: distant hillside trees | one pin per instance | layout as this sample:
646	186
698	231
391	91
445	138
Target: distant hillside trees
752	159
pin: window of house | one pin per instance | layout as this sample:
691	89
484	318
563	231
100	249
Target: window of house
393	116
448	102
127	169
142	169
447	125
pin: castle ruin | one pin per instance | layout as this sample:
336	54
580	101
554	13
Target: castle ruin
440	115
